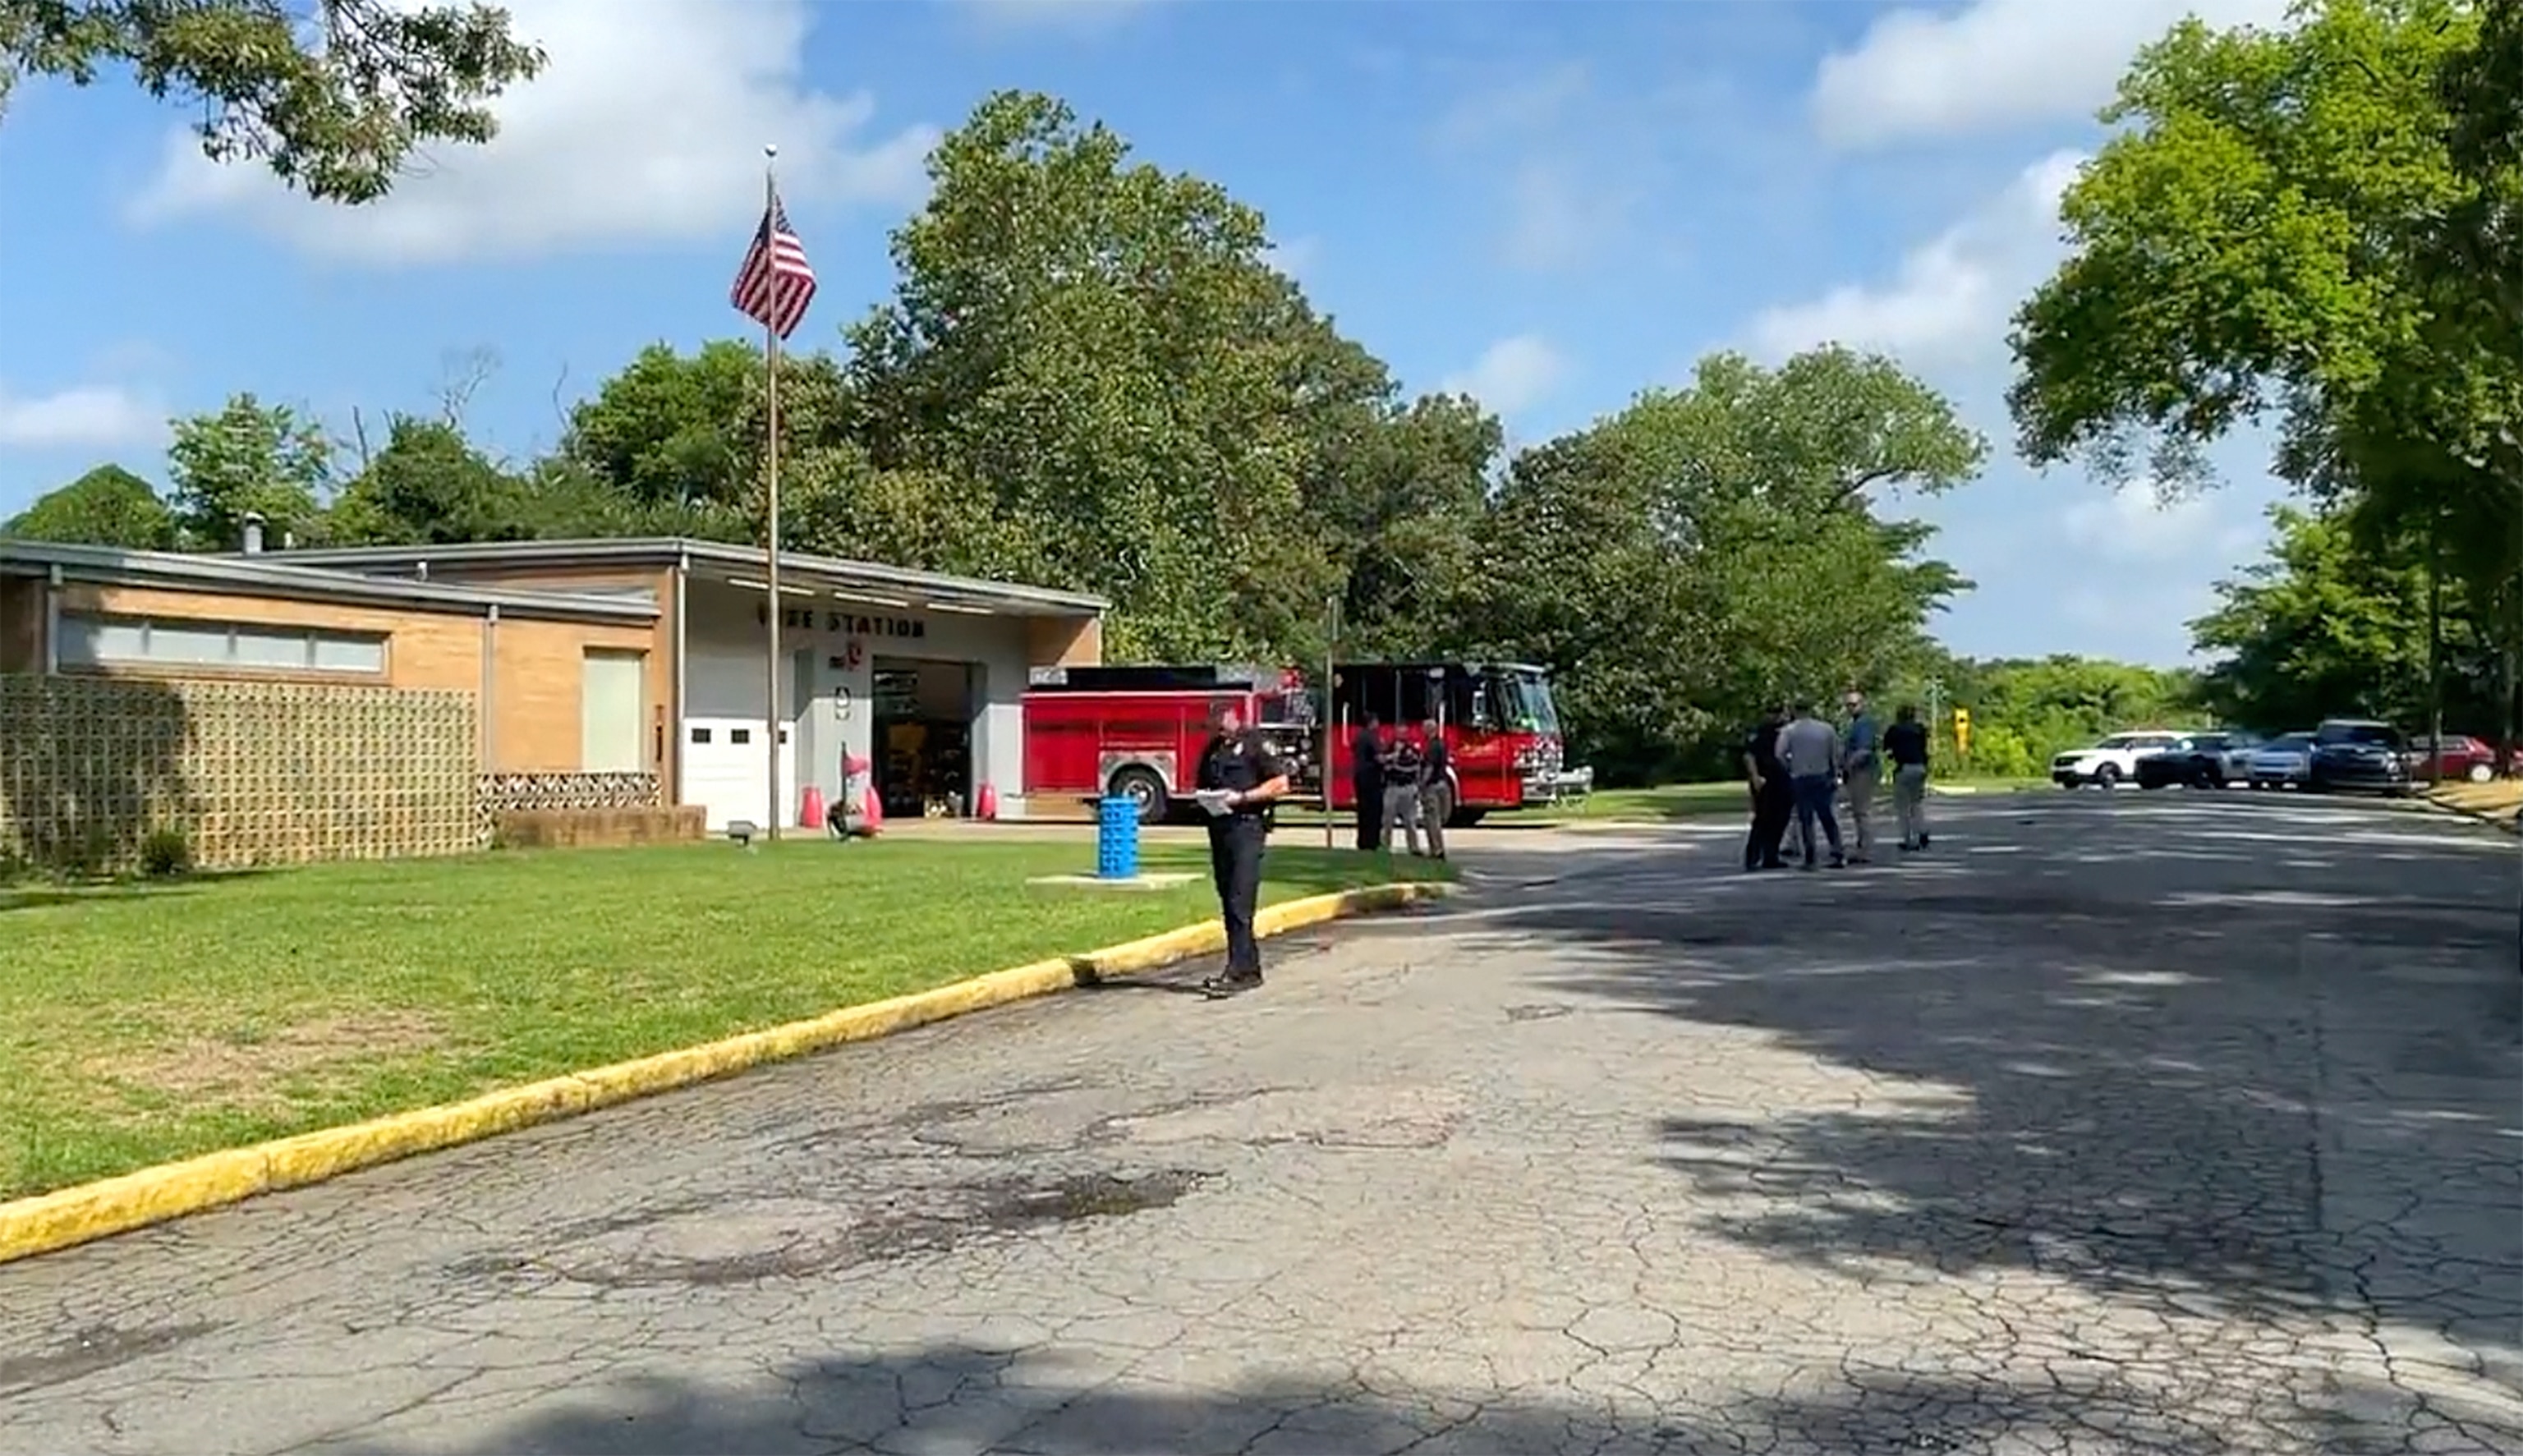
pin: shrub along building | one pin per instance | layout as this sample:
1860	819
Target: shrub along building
306	704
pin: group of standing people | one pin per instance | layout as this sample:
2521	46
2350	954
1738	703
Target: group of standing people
1398	779
1799	766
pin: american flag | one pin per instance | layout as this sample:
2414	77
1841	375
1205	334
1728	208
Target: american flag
777	282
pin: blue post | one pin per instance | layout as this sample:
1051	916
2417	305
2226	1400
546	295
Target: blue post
1117	838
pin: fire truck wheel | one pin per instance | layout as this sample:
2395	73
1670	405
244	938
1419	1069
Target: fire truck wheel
1143	785
1464	819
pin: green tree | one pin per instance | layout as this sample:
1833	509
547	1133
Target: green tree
1097	349
249	457
429	484
109	506
1396	500
2315	224
2334	621
670	430
334	107
2025	711
2243	240
1713	548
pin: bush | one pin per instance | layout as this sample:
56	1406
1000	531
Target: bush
166	854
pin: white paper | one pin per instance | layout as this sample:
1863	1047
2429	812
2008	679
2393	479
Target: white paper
1214	799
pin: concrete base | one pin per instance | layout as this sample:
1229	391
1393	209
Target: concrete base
1170	881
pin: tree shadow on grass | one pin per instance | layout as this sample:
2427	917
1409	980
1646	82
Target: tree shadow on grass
958	1399
41	894
2271	1091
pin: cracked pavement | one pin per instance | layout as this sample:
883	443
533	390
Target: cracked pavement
2175	1123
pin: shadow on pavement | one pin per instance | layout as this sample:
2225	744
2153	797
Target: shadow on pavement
963	1399
2288	1082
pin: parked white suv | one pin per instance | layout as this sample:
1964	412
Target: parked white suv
2109	762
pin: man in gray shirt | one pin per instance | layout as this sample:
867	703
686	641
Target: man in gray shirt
1810	749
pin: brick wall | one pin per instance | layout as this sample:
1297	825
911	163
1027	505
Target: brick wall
253	773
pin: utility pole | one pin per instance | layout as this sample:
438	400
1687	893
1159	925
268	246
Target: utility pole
1935	707
1331	657
2435	645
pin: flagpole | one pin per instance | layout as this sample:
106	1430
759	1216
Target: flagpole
771	491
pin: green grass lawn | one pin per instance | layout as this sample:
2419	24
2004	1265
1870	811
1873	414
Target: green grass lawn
140	1024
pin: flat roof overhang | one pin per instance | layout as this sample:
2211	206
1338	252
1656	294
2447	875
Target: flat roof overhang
831	577
261	576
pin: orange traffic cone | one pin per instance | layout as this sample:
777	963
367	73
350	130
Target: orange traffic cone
810	815
875	809
988	807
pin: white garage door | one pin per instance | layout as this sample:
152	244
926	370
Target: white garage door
725	771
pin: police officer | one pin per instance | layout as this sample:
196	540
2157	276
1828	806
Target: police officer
1772	799
1366	783
1238	763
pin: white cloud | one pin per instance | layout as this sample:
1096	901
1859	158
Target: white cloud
1511	375
1553	220
1994	64
91	416
2137	522
1949	301
1515	111
647	126
1541	140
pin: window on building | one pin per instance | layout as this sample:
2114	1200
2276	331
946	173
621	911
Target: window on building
90	639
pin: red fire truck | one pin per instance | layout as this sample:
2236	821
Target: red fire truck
1138	730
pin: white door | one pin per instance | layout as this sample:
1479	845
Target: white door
726	769
609	702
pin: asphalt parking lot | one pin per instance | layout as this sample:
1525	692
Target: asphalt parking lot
2119	1123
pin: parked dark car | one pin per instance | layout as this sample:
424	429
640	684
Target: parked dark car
2349	753
2464	757
2199	759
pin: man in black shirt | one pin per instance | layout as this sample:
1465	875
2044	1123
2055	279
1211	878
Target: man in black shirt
1238	766
1905	743
1366	783
1773	800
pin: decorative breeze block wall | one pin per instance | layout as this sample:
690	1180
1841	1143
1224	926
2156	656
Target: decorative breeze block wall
251	773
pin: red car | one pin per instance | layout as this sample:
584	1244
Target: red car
2464	757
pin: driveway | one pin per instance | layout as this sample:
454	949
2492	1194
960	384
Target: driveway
2116	1124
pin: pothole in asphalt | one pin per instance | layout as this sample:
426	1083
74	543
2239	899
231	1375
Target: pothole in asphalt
746	1241
1544	1010
100	1347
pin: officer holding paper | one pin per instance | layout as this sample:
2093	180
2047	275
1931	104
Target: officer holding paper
1238	780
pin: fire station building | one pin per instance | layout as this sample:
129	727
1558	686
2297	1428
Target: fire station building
922	674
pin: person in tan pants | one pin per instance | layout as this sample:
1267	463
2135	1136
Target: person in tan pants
1863	775
1905	743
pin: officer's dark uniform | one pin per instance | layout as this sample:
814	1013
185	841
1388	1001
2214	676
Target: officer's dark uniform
1366	786
1773	803
1243	761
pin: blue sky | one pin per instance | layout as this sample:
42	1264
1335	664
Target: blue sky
1550	205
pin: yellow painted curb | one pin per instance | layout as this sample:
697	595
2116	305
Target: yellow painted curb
2499	803
152	1195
